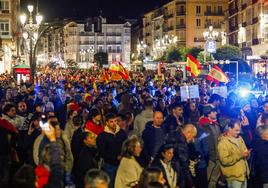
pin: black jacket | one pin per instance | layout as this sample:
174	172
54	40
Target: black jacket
153	139
261	162
109	145
170	124
56	177
182	154
88	159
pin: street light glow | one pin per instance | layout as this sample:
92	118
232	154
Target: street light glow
23	19
25	35
30	8
39	19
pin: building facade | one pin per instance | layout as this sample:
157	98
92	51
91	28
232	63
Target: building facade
186	20
73	43
8	33
248	25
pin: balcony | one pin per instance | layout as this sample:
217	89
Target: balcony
215	26
244	24
244	6
113	34
168	16
180	13
181	26
255	41
4	11
157	27
86	34
214	14
199	39
147	34
100	34
100	42
255	20
114	51
114	42
170	28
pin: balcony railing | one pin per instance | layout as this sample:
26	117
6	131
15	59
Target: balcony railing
114	51
180	13
114	42
214	14
113	34
100	42
180	26
170	28
4	11
199	39
147	34
216	26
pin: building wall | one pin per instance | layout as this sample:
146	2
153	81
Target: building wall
248	25
179	18
9	30
72	42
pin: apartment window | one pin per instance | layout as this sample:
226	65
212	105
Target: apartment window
208	9
118	48
181	8
220	9
198	10
4	27
109	48
4	5
198	22
100	49
181	21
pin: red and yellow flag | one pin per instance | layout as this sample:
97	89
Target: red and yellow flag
217	75
117	67
193	66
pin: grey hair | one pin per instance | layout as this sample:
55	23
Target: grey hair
94	177
261	130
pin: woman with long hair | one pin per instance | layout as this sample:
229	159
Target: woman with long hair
129	170
151	175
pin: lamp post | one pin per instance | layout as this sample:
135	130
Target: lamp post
91	53
141	47
163	44
210	37
30	33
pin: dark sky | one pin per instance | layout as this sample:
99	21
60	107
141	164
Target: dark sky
82	8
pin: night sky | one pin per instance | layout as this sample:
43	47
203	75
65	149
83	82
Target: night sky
80	9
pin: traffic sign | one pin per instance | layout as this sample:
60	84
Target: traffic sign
211	46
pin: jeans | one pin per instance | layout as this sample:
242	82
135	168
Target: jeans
213	173
111	171
237	184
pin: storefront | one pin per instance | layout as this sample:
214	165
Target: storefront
21	73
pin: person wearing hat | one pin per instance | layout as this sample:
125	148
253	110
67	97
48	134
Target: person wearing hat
211	126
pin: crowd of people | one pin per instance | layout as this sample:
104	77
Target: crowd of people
130	133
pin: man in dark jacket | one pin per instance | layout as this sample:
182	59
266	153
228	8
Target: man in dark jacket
210	125
109	144
181	139
88	158
261	154
175	119
153	137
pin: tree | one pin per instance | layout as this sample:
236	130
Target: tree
101	58
184	51
227	52
173	54
195	51
200	57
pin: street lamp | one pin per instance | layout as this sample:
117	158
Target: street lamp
210	37
30	33
141	47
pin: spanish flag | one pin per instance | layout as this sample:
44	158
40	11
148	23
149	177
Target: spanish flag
117	67
217	75
193	66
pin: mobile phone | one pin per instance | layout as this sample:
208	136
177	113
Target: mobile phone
44	123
